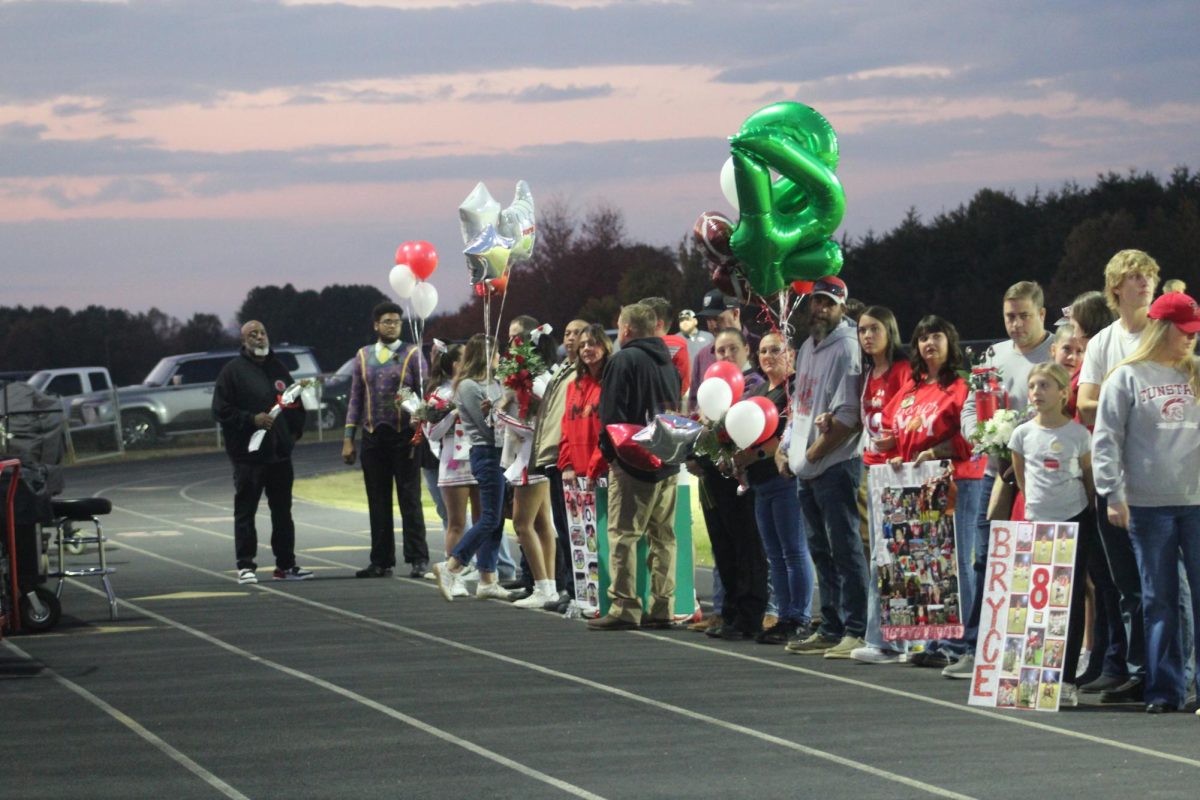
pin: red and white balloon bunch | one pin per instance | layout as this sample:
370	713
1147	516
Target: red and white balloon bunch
746	422
415	262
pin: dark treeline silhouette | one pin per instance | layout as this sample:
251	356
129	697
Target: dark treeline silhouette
957	265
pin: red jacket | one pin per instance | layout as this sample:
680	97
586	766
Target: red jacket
580	446
925	415
677	347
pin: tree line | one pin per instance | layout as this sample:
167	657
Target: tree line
956	265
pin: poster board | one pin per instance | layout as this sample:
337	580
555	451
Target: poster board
583	526
914	548
1026	615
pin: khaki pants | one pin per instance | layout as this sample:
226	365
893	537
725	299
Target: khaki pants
637	508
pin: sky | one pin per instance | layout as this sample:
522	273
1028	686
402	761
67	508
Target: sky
175	154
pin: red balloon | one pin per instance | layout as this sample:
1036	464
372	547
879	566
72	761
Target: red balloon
770	417
420	256
630	451
728	372
499	285
711	233
802	287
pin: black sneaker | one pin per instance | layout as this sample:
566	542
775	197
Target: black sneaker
373	571
293	573
419	568
779	633
1132	691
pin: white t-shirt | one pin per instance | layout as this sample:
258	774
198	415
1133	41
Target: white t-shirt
1105	350
1054	490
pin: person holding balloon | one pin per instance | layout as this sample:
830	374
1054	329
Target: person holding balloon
776	506
388	455
729	511
474	393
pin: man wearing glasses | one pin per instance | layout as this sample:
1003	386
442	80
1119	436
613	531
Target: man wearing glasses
388	455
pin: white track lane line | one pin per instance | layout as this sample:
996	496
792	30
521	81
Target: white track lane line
341	691
1015	720
133	725
602	687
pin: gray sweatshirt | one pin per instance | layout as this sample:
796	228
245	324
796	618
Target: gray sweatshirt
476	425
1146	445
828	379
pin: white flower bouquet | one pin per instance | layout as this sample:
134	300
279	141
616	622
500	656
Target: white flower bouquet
992	436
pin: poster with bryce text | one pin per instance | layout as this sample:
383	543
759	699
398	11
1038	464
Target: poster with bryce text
1025	617
913	547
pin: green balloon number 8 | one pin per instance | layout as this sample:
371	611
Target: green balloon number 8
785	225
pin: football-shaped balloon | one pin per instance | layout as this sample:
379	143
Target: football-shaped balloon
711	233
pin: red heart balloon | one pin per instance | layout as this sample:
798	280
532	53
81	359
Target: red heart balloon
802	287
420	256
770	417
728	372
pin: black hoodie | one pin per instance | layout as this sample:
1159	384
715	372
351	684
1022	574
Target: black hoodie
247	387
639	381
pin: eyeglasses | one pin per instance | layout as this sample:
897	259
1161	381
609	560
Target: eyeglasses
389	322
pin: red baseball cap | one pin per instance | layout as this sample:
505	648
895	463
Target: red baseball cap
832	287
1177	308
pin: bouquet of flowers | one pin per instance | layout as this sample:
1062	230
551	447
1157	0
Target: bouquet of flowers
431	410
992	436
290	398
517	371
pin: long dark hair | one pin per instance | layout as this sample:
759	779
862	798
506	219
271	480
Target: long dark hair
954	357
475	359
888	320
596	333
442	368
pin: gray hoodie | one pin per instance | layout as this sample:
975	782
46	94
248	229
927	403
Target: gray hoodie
828	378
1146	446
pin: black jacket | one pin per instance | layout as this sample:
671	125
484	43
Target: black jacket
639	381
245	388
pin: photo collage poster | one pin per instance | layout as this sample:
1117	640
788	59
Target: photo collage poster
585	562
1026	615
913	547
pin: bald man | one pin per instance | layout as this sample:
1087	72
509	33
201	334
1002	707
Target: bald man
246	390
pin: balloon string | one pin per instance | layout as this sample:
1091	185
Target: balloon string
487	326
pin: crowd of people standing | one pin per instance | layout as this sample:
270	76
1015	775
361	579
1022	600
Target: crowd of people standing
1109	439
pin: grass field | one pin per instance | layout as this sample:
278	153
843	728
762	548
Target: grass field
344	489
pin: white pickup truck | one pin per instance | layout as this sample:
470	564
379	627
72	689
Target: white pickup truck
70	382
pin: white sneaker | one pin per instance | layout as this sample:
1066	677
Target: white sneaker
537	599
875	655
1069	697
247	576
490	591
845	647
469	573
445	580
459	589
963	669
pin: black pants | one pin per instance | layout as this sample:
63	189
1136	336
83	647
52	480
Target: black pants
249	483
1122	565
563	572
737	550
388	457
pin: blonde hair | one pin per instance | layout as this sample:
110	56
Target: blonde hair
1056	373
1026	290
1151	343
1174	285
1121	266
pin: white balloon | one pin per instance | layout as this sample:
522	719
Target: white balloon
744	423
714	397
402	280
424	299
729	185
478	211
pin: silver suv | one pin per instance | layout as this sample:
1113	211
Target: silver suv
176	396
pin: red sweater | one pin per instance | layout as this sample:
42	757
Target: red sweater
876	394
677	347
580	446
923	415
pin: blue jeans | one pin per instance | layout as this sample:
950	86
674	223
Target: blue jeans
430	474
829	503
777	509
972	533
1161	536
483	538
1122	566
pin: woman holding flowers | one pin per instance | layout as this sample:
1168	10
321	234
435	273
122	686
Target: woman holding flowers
530	356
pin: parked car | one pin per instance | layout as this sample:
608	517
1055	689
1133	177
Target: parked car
71	382
176	396
335	396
